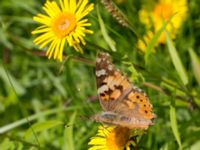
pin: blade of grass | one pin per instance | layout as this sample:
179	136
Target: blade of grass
151	44
18	87
195	65
174	125
37	127
68	134
176	60
104	32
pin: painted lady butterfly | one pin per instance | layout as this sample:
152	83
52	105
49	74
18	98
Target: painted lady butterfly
122	102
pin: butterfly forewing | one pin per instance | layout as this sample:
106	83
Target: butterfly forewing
122	102
112	85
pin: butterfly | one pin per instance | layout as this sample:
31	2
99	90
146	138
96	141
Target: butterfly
122	102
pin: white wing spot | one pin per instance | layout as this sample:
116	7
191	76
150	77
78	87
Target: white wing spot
110	67
98	60
100	72
102	89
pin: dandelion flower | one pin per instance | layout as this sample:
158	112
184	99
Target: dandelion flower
154	15
62	23
111	138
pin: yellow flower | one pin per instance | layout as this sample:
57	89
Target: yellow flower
147	38
111	138
62	23
153	16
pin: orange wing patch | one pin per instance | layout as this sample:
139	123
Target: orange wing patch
115	94
130	104
145	106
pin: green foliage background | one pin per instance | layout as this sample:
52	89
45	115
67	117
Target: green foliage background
45	104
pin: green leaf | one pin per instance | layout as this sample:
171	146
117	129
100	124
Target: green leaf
37	127
195	146
68	134
152	43
176	60
104	32
174	125
195	65
7	144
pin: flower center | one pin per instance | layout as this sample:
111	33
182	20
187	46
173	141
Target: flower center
164	11
117	138
64	24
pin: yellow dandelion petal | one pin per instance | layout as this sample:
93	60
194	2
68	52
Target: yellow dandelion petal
51	49
70	40
62	5
72	6
41	30
111	138
61	48
86	24
62	23
44	43
98	148
76	38
83	25
55	8
103	133
80	34
83	21
78	48
82	40
42	38
82	6
78	5
38	28
88	31
97	141
85	12
51	8
66	5
42	19
56	51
